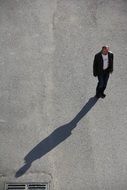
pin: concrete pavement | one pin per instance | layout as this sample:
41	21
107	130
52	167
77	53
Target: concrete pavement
51	128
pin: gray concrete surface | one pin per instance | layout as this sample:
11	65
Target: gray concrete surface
46	56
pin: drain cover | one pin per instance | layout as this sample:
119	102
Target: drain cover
26	186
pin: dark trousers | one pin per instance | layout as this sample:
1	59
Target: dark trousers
102	82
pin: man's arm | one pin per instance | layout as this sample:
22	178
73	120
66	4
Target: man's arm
112	60
95	66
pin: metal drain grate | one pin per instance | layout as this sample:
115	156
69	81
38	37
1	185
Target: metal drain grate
26	186
37	187
15	186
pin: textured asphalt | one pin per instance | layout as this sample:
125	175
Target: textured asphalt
52	129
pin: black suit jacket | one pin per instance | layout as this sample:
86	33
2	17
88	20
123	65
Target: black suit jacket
98	63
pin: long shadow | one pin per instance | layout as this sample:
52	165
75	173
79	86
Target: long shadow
55	138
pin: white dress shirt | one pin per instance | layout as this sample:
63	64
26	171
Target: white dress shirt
105	61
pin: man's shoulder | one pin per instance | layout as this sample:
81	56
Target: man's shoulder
98	54
110	52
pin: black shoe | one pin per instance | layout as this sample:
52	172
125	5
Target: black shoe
103	95
98	95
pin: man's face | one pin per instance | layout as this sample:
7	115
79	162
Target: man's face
105	51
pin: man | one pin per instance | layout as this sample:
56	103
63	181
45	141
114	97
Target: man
102	67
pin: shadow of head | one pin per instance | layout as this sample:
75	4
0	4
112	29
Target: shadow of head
22	170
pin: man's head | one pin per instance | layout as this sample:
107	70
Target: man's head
105	50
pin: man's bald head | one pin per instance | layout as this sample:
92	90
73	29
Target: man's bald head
105	50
